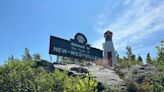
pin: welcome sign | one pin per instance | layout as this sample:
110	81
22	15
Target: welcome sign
74	48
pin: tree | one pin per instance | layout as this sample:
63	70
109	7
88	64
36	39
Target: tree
133	57
160	50
118	57
129	52
148	58
139	58
11	58
36	56
27	56
124	58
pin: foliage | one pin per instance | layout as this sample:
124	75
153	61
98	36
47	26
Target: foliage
150	84
139	58
127	61
157	83
116	89
159	62
10	58
26	56
160	51
36	57
148	58
124	64
23	76
131	87
129	52
133	57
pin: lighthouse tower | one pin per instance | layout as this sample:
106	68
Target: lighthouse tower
109	53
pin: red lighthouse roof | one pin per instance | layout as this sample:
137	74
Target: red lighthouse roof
108	33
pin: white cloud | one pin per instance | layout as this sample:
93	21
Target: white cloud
140	45
101	19
140	20
126	2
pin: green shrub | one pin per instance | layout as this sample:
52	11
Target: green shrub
23	76
157	84
125	64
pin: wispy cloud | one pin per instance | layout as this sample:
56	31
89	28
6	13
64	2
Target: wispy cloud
126	2
136	20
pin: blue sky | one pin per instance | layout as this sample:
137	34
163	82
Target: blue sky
29	23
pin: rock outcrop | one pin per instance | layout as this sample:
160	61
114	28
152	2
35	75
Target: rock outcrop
112	79
139	73
103	75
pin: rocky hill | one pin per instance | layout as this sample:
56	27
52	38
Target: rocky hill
113	79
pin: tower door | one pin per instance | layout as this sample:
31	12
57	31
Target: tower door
110	58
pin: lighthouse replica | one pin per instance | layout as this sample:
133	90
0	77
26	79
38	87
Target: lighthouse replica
109	54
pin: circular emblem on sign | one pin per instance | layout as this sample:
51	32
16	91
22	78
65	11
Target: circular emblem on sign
79	37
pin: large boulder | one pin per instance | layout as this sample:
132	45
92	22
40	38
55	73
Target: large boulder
108	77
73	69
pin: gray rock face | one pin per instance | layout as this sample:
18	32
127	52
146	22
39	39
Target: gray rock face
108	77
105	75
73	69
138	73
101	74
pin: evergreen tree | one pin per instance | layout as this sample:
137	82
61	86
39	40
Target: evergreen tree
139	58
11	58
27	56
36	56
124	58
129	52
133	57
160	50
148	58
118	57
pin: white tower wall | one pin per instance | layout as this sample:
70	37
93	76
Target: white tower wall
109	53
108	47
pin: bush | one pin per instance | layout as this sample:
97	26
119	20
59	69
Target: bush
23	76
131	87
157	83
125	64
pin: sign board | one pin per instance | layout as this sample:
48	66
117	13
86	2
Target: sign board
74	48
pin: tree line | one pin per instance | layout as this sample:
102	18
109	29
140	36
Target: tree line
130	56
